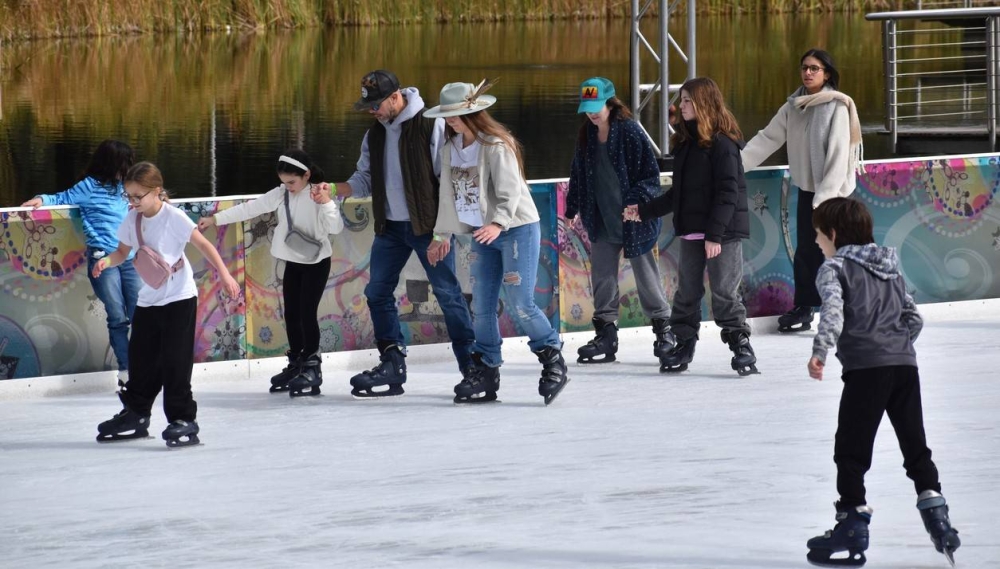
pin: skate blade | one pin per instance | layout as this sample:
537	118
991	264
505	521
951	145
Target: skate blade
313	391
673	369
192	440
117	438
278	388
794	328
748	370
608	358
552	396
948	553
369	394
481	400
822	558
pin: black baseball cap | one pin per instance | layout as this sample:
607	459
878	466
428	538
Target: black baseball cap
375	87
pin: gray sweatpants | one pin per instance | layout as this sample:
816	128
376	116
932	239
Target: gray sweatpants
605	259
725	272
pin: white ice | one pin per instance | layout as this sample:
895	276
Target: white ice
627	468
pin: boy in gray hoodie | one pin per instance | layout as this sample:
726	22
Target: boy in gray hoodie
872	321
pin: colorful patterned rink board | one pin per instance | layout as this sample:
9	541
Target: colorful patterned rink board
941	213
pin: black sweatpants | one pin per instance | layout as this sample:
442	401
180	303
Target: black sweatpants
303	288
868	393
160	355
808	256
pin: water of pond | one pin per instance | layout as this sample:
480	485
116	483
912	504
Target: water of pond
214	111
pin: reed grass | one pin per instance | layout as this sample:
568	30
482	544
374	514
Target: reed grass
28	19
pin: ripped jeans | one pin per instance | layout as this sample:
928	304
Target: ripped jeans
510	263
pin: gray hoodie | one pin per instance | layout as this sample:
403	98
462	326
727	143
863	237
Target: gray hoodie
361	181
867	313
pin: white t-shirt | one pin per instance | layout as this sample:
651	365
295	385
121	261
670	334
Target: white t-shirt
465	181
167	233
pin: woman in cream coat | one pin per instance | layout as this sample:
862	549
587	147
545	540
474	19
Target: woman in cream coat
483	192
820	126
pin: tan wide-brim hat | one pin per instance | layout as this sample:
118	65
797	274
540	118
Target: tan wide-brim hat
456	99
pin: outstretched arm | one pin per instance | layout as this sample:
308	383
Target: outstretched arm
206	248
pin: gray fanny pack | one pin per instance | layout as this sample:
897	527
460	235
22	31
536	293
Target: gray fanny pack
299	241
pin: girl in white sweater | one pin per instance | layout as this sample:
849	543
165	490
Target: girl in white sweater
306	217
820	126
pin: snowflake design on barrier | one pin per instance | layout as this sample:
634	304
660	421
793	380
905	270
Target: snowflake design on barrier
227	339
759	202
328	339
266	335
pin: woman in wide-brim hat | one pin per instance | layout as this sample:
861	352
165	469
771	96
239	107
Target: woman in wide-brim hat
484	193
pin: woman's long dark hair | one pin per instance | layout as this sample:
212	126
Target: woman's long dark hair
110	162
619	112
827	60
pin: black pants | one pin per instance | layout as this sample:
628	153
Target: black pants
303	287
160	355
808	256
868	393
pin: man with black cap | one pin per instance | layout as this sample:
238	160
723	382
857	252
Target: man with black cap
399	168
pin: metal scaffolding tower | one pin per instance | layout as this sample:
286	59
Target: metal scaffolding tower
643	92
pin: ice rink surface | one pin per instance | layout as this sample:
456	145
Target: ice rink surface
628	468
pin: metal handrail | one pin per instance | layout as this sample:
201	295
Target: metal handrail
977	99
942	14
949	86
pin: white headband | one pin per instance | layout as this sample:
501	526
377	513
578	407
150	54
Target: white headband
293	162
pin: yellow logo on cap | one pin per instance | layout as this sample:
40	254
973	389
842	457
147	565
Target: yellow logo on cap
588	93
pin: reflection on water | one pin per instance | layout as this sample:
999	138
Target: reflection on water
215	111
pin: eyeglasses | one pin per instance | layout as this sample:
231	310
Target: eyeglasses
135	199
378	105
812	68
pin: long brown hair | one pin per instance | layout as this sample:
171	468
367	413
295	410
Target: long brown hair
710	111
619	112
482	124
147	175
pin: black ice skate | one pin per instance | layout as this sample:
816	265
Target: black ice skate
480	382
554	377
797	319
934	511
181	434
280	381
744	361
604	344
126	425
391	371
678	358
310	377
850	535
665	339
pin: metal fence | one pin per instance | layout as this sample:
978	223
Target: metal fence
941	72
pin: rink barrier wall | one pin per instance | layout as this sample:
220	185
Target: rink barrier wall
940	212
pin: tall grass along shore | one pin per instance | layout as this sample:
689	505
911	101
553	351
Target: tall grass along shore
30	19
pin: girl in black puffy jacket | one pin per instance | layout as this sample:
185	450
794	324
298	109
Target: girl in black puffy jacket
709	202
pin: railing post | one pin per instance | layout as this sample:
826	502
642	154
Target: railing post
664	77
692	45
634	59
889	58
991	79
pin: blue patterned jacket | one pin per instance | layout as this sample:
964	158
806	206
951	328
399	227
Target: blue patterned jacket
638	175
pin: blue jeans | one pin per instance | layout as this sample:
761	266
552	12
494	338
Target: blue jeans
390	252
511	263
118	289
